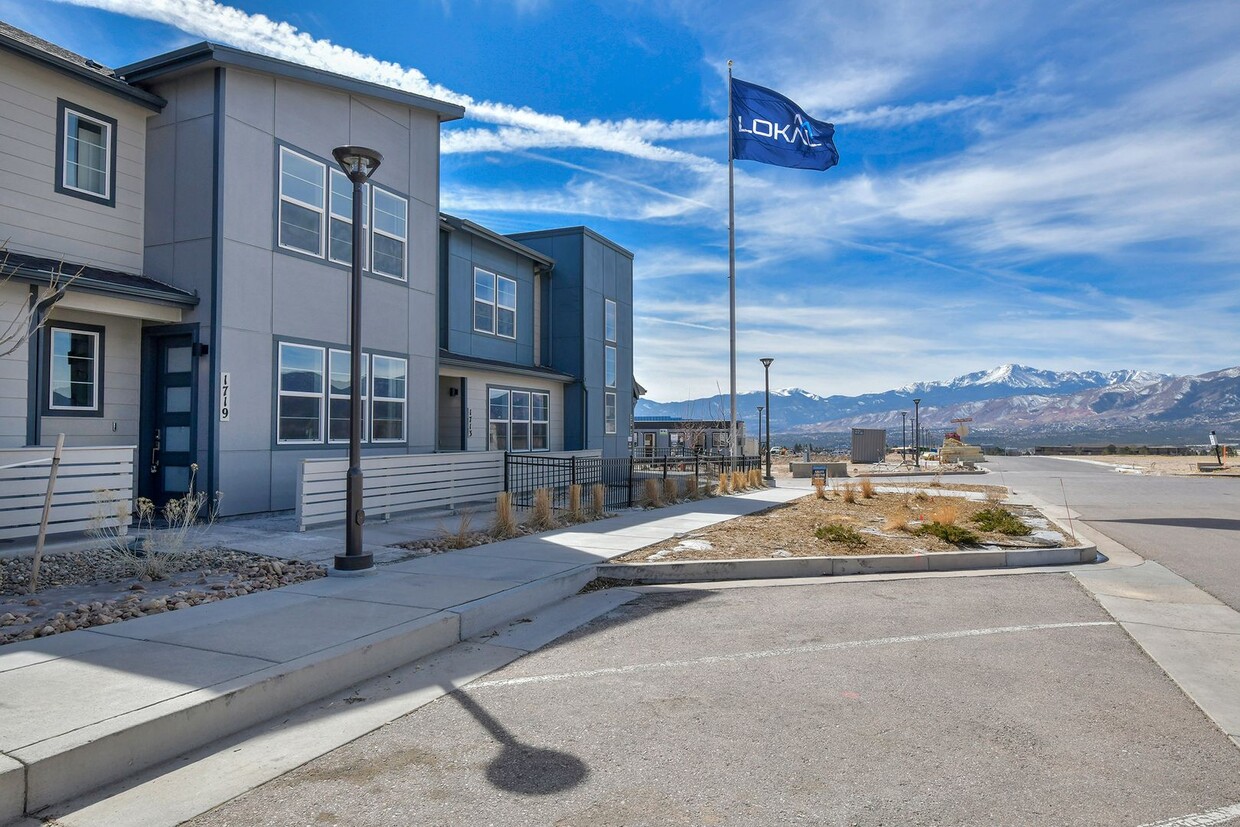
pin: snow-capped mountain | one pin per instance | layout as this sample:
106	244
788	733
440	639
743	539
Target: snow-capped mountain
1007	397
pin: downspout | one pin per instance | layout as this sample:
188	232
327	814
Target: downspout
34	346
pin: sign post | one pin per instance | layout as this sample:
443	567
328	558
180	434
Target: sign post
1218	455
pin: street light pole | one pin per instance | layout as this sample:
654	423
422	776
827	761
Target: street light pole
917	432
903	438
766	367
760	410
358	163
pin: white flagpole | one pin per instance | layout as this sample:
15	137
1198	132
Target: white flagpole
731	277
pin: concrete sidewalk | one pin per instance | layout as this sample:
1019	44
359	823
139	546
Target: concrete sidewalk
86	708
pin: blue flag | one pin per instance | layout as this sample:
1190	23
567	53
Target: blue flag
769	128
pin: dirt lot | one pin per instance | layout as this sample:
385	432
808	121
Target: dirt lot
886	523
1161	466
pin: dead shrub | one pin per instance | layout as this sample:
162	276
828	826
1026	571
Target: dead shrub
897	522
692	488
867	488
739	483
505	524
994	495
598	500
671	490
921	496
575	514
848	493
945	514
463	535
755	479
650	494
542	517
820	490
725	483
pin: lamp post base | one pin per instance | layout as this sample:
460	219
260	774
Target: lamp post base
354	564
770	481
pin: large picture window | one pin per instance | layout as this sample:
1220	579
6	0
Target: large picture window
74	370
301	202
518	420
495	304
300	404
306	399
86	154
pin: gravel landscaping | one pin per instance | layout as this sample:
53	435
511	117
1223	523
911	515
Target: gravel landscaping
95	588
921	521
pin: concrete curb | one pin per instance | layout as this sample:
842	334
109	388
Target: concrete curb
696	571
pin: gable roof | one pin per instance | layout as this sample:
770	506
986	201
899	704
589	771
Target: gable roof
84	69
453	223
37	270
217	54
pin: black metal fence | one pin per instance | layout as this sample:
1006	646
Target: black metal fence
623	478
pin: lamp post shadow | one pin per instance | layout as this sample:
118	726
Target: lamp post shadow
524	768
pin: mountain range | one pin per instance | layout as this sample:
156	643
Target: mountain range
1008	398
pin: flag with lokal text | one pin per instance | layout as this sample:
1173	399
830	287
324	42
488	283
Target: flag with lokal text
769	128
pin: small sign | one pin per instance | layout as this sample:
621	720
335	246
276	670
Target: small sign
469	419
818	473
1213	440
225	397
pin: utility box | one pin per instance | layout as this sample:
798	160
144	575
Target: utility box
869	444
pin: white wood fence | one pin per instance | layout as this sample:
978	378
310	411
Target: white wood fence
76	500
401	483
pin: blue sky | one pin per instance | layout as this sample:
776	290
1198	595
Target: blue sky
1043	183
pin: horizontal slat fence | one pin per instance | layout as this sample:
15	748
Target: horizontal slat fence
400	483
76	500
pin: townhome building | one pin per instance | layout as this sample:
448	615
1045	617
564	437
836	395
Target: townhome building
194	200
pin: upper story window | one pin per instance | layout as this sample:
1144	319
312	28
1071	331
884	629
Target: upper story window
609	365
495	304
316	217
86	154
340	231
388	239
74	379
301	203
609	320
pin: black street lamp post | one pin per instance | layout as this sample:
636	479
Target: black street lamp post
766	367
917	432
358	163
760	410
903	438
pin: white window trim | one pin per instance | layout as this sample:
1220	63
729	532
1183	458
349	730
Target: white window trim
610	309
322	209
403	400
107	154
473	316
327	383
404	240
94	380
610	423
347	219
281	393
499	305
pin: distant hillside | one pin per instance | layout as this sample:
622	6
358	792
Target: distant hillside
1006	398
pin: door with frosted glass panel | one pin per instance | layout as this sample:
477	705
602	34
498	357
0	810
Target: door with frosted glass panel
169	442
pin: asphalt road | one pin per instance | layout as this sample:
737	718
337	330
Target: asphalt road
1005	700
1190	525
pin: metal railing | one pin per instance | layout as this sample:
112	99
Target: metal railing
623	478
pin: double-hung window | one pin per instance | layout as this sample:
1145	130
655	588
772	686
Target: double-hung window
390	232
74	372
302	195
388	398
495	304
338	396
300	403
86	151
518	420
340	231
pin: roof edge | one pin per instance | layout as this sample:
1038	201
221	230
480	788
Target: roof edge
155	67
457	223
116	86
580	228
